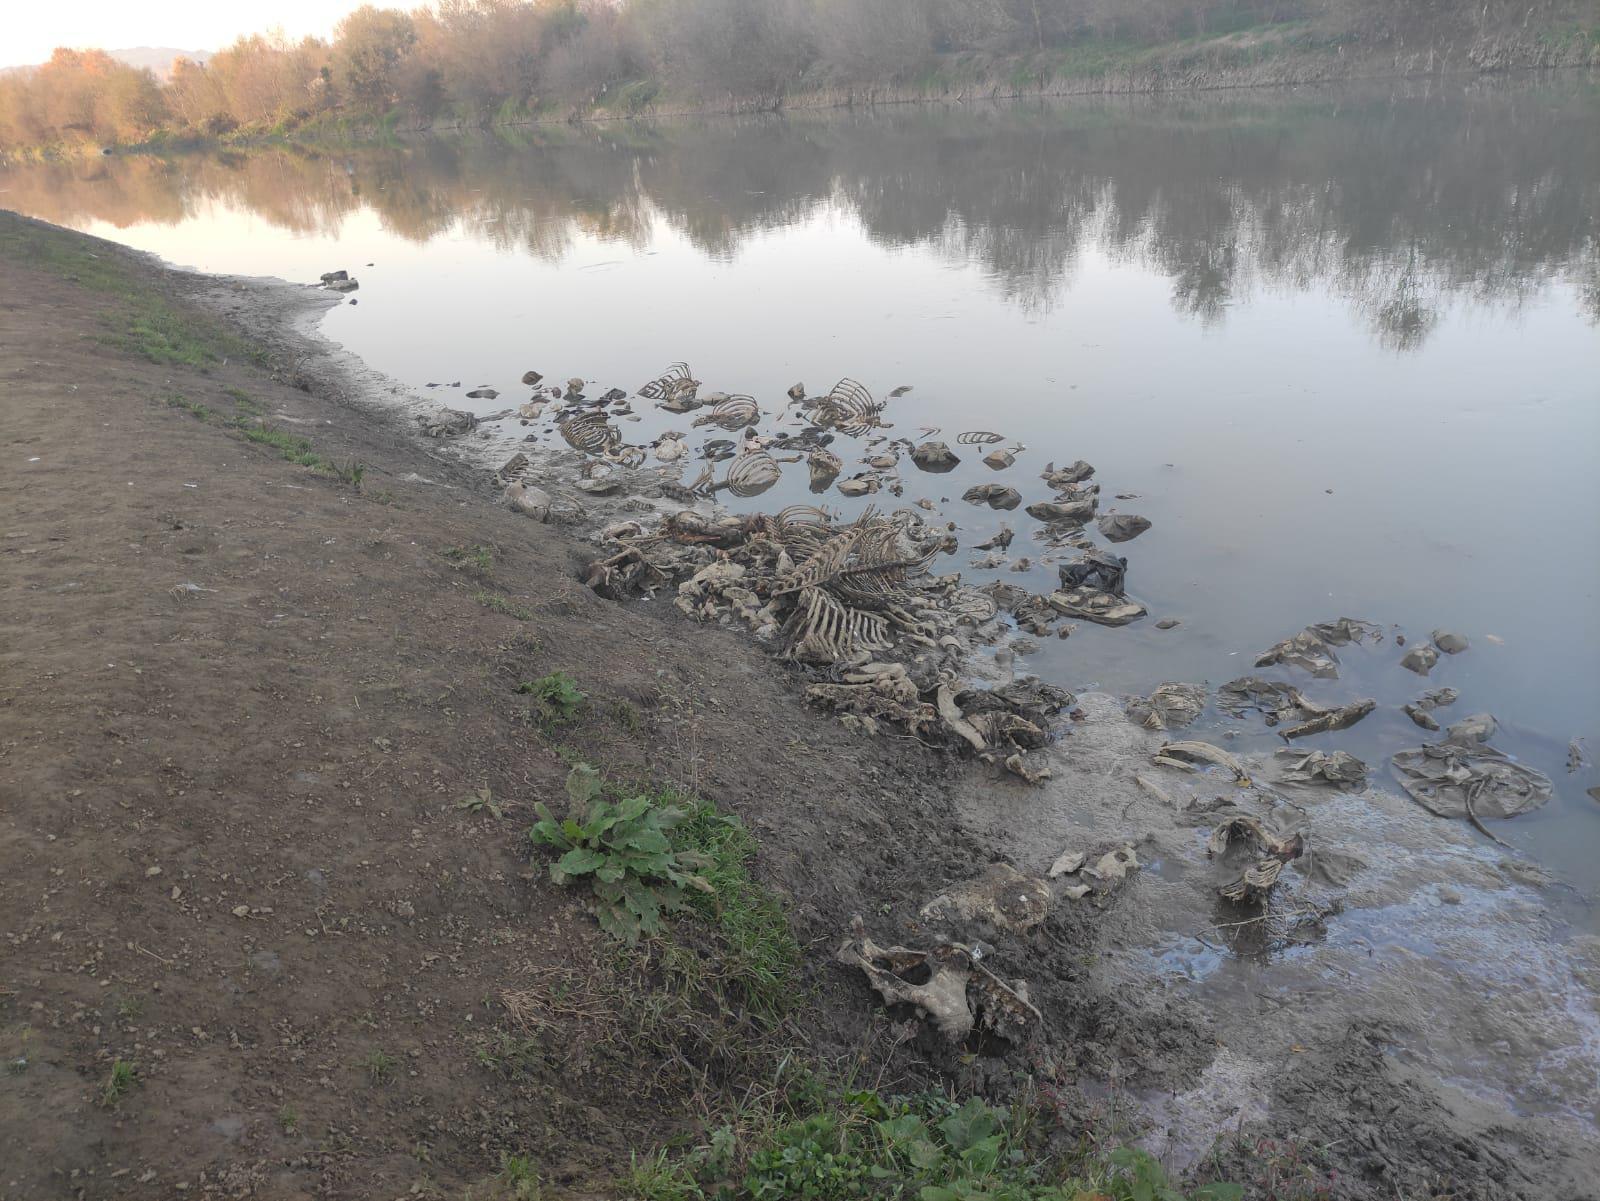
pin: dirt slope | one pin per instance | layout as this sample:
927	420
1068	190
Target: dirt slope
234	853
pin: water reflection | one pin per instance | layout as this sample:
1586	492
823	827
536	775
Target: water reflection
1463	193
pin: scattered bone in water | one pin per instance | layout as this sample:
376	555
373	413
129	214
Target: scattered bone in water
858	597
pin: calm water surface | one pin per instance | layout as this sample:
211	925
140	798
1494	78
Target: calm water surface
1342	345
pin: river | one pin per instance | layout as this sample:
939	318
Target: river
1339	346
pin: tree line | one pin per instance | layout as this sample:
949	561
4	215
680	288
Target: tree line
480	62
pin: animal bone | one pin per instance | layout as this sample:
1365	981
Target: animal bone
957	981
1187	753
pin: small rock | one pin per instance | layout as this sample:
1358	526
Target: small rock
1449	642
1479	727
797	391
1420	716
1073	473
1168	623
1076	892
996	496
329	277
152	872
1420	659
343	285
999	460
531	378
935	457
1077	511
241	911
1121	527
482	394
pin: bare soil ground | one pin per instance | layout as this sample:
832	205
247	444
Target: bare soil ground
241	702
234	853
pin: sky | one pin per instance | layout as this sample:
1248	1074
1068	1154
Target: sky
32	31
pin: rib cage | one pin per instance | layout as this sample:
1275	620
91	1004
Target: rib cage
822	630
849	407
752	474
735	413
676	380
589	432
979	438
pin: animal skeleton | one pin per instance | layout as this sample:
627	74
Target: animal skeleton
979	438
849	408
675	381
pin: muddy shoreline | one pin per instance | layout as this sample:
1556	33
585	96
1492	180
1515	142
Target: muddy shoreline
1319	1060
1186	1096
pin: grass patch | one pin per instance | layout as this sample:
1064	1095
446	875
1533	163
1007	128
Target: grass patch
924	1148
145	322
476	560
118	1084
759	953
518	1179
646	854
503	604
288	1119
556	697
194	408
379	1066
290	447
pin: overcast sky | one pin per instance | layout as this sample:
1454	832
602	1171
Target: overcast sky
32	29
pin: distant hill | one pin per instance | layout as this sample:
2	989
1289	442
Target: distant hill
158	58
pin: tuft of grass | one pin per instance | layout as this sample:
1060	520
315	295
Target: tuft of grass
347	471
475	560
118	1084
194	408
519	1179
503	604
288	1119
626	715
556	696
378	1065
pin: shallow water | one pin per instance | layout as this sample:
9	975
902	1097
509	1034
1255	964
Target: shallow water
1341	344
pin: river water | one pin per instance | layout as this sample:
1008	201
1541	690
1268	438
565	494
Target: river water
1340	345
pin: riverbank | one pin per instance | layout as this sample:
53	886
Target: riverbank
283	673
1266	57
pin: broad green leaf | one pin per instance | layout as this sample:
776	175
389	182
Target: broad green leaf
969	1125
982	1156
580	861
583	785
632	808
924	1155
651	842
